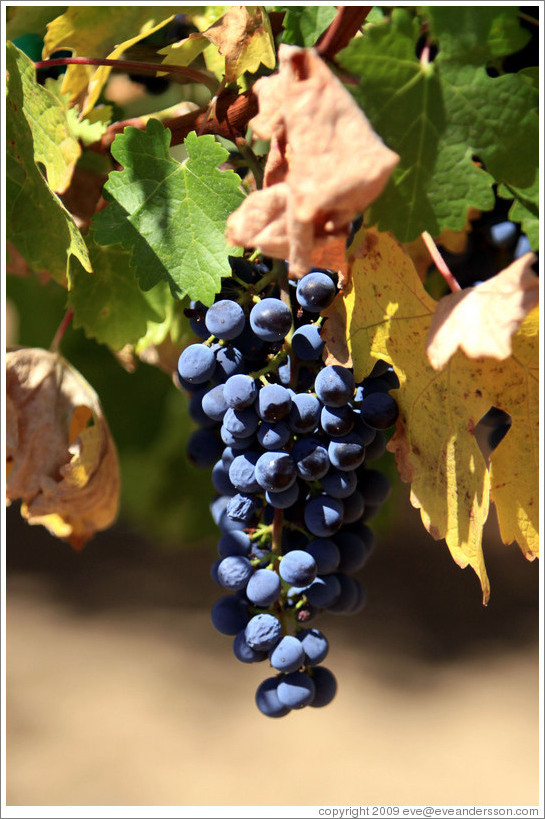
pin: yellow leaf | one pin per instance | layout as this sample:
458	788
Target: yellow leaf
241	41
98	31
61	459
481	320
386	314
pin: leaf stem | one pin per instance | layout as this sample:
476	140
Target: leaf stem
61	329
131	65
252	160
440	263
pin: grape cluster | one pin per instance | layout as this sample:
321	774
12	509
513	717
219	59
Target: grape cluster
289	441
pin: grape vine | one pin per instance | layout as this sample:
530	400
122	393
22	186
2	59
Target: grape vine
298	217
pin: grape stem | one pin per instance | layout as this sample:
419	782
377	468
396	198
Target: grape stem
130	65
276	544
440	263
61	330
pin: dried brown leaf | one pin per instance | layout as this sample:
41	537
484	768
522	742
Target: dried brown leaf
315	126
481	320
62	462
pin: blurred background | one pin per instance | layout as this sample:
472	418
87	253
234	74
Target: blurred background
120	692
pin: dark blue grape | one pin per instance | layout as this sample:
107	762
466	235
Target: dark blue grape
225	319
263	587
295	690
323	515
315	291
339	484
229	615
353	550
375	486
323	591
284	499
305	412
273	435
241	423
379	410
267	701
196	364
334	385
287	655
263	631
326	554
274	402
354	507
315	645
234	572
275	471
239	391
220	479
229	361
203	448
213	403
270	319
311	459
298	568
325	687
347	452
242	507
234	543
244	652
242	472
306	342
337	420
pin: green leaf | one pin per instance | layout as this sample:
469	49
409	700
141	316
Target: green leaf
438	116
304	24
89	129
525	209
37	223
54	143
109	304
171	215
476	34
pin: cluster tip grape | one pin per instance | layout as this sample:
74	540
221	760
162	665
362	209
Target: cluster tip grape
289	442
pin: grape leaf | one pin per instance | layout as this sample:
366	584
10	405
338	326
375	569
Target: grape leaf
88	130
110	305
98	31
494	310
437	116
314	125
171	215
385	313
242	36
481	34
34	213
304	24
61	459
525	209
22	20
54	143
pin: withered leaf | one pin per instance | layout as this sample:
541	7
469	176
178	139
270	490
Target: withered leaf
481	320
62	462
327	164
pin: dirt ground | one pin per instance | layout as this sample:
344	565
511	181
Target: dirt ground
119	692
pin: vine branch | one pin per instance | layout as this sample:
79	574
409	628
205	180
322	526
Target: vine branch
130	65
345	25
